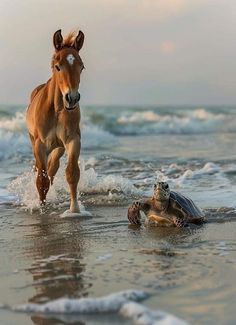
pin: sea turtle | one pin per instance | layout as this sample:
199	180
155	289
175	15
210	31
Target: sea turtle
166	208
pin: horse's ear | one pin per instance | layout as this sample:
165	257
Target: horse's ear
79	41
58	40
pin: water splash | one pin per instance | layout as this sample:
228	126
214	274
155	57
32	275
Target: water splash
25	192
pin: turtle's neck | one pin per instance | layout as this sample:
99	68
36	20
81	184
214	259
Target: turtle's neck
161	205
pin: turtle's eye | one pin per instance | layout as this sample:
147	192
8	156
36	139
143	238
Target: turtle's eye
166	186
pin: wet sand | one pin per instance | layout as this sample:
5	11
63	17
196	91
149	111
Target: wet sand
189	272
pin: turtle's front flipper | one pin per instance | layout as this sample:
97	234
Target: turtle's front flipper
179	222
133	215
198	220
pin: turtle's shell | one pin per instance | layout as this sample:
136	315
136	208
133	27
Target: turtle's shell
186	204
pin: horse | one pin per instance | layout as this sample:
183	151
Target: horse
53	117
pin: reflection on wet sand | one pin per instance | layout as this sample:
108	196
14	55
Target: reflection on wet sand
72	258
57	270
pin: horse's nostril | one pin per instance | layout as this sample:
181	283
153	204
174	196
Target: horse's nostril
68	98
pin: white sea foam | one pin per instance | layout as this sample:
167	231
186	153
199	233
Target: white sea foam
91	182
103	258
15	124
12	144
124	303
13	137
188	175
208	185
136	117
207	170
141	315
24	188
106	304
147	122
81	213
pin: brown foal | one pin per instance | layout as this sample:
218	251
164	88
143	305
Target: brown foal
53	117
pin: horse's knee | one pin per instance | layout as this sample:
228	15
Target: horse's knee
54	162
72	169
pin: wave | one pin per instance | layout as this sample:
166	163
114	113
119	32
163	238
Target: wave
180	177
163	120
150	122
100	130
13	136
14	139
208	185
13	145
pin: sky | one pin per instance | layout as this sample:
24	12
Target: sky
136	52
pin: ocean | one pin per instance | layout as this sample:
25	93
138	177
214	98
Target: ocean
189	274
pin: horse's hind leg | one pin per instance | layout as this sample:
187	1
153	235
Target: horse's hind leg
54	162
73	172
42	181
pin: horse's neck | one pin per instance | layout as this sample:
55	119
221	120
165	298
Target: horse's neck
54	95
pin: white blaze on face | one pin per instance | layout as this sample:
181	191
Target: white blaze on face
70	58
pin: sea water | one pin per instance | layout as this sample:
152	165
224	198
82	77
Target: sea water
47	255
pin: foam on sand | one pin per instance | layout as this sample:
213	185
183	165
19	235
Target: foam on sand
123	303
141	315
106	304
81	213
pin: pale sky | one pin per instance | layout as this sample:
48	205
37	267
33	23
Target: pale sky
136	52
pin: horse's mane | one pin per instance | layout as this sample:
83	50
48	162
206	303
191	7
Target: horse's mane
69	39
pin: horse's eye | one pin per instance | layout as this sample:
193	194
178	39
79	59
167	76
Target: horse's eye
57	67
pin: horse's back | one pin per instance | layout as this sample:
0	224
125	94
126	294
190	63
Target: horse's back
30	114
35	91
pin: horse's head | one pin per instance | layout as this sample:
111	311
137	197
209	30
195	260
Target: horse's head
67	66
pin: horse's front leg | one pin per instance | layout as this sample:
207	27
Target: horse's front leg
42	181
54	162
73	171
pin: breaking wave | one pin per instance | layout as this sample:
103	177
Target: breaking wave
14	139
150	122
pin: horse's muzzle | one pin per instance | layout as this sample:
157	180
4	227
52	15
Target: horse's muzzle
71	100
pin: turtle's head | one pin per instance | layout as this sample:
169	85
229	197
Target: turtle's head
161	191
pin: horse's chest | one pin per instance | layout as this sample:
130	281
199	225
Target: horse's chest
63	129
59	134
51	140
